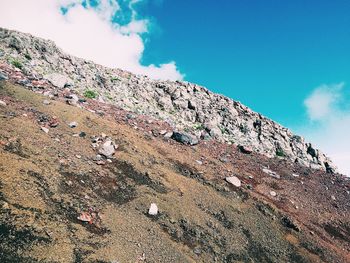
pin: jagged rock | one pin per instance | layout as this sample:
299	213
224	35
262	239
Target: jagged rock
44	129
245	149
271	173
107	149
234	181
58	80
182	104
153	210
3	76
185	138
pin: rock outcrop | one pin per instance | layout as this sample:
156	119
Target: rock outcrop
186	106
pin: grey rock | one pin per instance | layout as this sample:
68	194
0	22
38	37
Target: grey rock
184	138
180	103
234	181
73	124
107	149
58	80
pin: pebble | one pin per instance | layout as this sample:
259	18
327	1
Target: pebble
271	173
233	180
295	175
273	193
44	129
46	102
199	162
2	103
153	210
333	197
73	124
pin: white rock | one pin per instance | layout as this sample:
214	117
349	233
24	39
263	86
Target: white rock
168	135
46	102
58	80
273	193
107	149
44	129
271	173
233	180
2	103
295	175
153	210
73	124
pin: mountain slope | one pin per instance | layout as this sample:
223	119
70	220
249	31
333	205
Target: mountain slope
185	106
51	178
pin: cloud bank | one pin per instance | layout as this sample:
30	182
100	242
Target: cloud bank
89	29
328	109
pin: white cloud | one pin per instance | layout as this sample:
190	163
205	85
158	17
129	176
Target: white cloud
329	127
87	32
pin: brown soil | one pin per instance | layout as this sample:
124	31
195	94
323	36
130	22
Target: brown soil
46	183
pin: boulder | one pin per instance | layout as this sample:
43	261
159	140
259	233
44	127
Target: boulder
234	181
184	138
58	80
107	149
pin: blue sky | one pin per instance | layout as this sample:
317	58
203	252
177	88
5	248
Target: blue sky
289	60
268	54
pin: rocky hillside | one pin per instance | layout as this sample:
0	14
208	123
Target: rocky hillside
86	181
184	106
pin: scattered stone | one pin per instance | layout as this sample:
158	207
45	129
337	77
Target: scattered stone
44	129
295	175
78	156
107	149
2	103
271	173
73	124
273	193
46	102
3	76
288	222
184	138
234	181
333	198
168	135
85	217
5	205
199	162
245	149
82	134
163	132
153	210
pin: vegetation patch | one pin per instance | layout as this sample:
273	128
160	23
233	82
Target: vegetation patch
91	94
16	63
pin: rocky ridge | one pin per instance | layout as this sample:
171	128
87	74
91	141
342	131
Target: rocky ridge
185	106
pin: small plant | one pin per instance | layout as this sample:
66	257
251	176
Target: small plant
280	152
198	126
113	79
90	94
243	128
17	64
27	56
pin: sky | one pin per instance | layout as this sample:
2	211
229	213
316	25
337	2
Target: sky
289	60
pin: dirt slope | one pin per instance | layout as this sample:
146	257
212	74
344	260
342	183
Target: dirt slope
47	180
